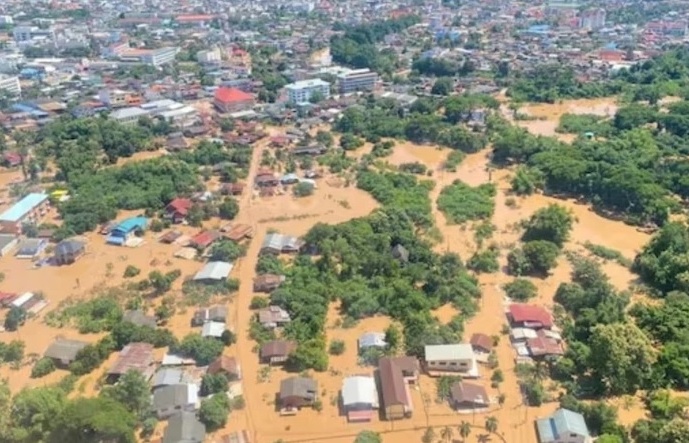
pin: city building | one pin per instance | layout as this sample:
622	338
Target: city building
30	33
6	20
357	80
306	90
154	57
232	100
10	85
209	57
127	116
30	209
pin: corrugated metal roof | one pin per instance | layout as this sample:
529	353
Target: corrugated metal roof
460	351
561	423
215	270
23	207
358	390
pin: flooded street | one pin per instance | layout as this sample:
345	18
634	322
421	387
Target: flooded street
334	202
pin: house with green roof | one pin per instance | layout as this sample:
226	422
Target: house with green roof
564	426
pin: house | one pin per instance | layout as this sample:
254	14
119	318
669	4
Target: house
266	179
68	251
11	159
204	239
268	282
29	210
276	244
125	229
359	397
468	396
178	209
481	343
214	271
232	189
564	426
169	376
289	179
170	237
139	318
169	400
394	374
134	357
31	247
273	317
543	346
184	427
276	351
529	316
451	358
63	352
214	313
7	243
227	366
521	335
400	253
297	392
229	100
239	232
309	150
372	340
213	329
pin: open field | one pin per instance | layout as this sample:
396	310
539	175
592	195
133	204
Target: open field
333	203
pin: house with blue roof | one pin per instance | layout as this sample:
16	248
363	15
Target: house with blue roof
125	229
564	426
29	210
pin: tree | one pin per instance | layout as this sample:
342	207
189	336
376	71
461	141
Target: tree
303	189
428	435
309	354
42	367
85	420
33	412
160	282
213	384
622	357
226	250
349	142
337	347
202	349
228	338
491	424
520	289
15	318
133	392
446	433
464	430
552	223
393	338
368	437
214	411
541	255
325	138
443	86
228	209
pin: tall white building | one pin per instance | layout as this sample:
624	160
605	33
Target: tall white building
28	33
210	56
10	85
357	80
302	91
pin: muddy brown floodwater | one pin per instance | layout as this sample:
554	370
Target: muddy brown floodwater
333	202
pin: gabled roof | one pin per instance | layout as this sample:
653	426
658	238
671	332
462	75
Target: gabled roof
523	313
561	423
134	357
459	351
215	270
277	348
359	390
469	393
180	205
62	349
224	363
372	339
231	95
184	427
392	383
175	395
482	341
303	387
69	247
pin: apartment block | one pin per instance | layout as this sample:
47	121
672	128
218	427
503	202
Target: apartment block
357	80
303	91
10	85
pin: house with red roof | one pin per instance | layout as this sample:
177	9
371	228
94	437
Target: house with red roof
228	100
178	209
204	239
529	316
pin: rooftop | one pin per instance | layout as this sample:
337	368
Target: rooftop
303	84
460	351
23	207
560	424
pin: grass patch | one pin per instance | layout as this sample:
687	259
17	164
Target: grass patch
607	254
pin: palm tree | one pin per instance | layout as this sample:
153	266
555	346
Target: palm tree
491	424
446	433
428	436
464	430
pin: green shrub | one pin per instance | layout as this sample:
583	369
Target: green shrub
42	367
131	271
337	347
